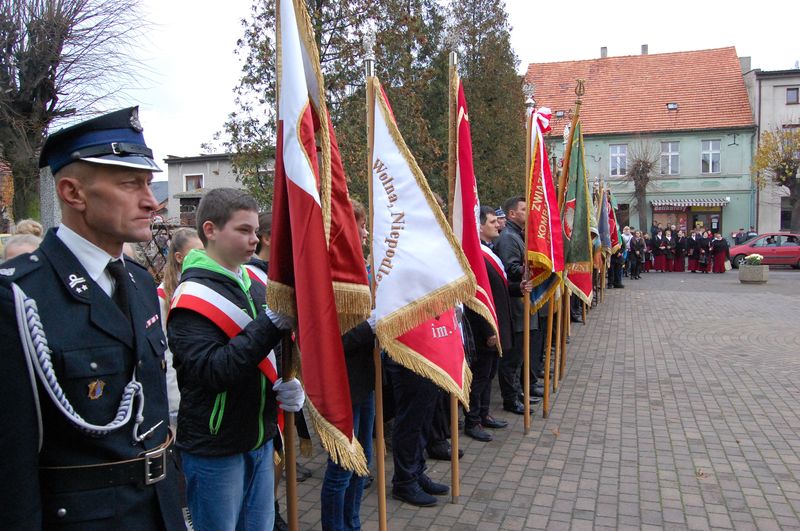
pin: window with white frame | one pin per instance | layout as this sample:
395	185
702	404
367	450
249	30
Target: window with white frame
192	182
670	158
618	159
709	156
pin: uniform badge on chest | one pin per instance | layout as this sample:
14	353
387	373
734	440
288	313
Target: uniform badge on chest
96	389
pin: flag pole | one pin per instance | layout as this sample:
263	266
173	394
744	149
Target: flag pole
579	91
530	145
287	370
452	153
547	346
380	443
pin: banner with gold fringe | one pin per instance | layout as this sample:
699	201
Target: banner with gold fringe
420	272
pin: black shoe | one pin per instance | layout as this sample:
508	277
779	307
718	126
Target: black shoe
618	286
496	424
443	454
576	319
414	495
302	473
431	487
540	375
280	524
535	400
538	391
514	407
478	433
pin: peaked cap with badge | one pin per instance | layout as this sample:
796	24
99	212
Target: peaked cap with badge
114	139
83	403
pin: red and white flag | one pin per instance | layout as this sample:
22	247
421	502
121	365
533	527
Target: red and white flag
315	245
420	271
466	216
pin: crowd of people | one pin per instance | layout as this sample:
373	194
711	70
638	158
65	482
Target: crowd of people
667	250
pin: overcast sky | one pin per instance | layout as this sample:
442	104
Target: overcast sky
193	67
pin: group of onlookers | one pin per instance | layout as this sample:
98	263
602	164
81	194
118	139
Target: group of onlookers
672	250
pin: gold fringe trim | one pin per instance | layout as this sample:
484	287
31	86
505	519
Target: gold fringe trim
348	454
427	307
417	363
306	448
422	183
575	290
477	306
535	307
280	298
353	304
308	42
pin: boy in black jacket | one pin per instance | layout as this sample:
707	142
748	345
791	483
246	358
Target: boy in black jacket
228	411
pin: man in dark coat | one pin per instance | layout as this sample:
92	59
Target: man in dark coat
88	459
510	247
488	342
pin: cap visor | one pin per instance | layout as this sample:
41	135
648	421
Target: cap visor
129	161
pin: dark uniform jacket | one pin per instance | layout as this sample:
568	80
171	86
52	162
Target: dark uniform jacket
227	404
482	330
669	250
510	247
91	342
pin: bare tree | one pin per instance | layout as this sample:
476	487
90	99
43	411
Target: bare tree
58	58
643	161
778	160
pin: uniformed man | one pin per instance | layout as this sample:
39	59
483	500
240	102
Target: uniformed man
83	406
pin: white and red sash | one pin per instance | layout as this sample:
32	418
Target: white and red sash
256	274
495	262
226	315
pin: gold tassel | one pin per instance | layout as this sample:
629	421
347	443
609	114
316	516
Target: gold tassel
347	453
280	298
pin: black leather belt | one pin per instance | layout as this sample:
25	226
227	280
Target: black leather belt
148	469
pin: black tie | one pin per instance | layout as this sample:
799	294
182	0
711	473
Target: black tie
120	275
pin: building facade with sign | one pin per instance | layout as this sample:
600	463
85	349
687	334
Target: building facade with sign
686	112
775	101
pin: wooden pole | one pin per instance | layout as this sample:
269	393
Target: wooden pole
548	345
452	154
584	313
564	332
380	446
289	450
526	299
559	322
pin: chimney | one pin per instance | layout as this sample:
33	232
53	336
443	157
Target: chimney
603	52
644	49
745	64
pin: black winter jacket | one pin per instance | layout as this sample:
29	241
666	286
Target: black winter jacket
227	404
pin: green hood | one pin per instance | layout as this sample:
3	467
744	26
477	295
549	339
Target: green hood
199	259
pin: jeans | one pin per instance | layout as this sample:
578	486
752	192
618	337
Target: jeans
231	493
342	489
414	398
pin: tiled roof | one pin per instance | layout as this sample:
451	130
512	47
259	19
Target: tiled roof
629	94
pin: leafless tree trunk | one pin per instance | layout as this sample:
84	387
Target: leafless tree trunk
642	163
58	58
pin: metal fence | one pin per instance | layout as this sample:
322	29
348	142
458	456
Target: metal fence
152	254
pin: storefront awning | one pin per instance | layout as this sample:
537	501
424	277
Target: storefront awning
690	202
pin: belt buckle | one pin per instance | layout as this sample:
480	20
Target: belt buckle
152	459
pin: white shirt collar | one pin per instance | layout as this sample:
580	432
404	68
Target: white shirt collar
93	259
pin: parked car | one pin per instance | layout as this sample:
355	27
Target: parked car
777	248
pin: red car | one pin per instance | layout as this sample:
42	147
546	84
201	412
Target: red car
777	248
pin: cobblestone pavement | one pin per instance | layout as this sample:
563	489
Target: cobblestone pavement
680	409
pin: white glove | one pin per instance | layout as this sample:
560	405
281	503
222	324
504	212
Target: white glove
372	320
284	322
290	394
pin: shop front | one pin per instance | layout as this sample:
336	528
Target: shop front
689	214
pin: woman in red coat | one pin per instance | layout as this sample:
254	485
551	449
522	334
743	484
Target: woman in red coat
720	252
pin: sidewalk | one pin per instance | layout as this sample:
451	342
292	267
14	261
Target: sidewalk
680	410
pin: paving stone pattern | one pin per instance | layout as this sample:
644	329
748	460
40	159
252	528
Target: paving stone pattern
680	409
